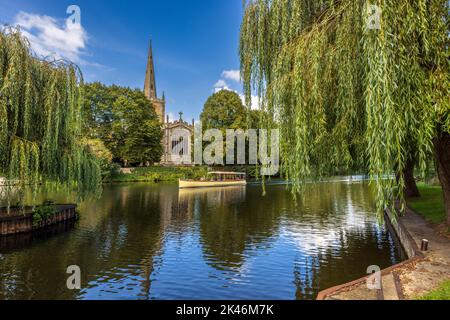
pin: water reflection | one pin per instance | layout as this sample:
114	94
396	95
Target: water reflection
148	241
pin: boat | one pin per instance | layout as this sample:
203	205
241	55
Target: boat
216	179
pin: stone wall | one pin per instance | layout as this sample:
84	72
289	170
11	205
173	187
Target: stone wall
408	244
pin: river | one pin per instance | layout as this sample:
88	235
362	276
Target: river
153	241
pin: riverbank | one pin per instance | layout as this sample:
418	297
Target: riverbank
434	269
425	275
171	174
157	174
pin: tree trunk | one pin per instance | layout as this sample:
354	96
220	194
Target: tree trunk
411	190
442	150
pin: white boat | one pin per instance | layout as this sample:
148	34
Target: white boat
216	179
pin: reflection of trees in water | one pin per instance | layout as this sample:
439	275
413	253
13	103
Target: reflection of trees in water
12	243
228	228
134	231
327	198
122	235
336	237
329	224
333	207
190	201
122	230
38	268
342	262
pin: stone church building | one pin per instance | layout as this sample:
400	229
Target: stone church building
177	134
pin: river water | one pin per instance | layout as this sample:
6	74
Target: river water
152	241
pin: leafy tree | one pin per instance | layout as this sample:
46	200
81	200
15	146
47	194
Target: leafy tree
40	123
141	146
104	156
224	110
97	108
125	121
349	92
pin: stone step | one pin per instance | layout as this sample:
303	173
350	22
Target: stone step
389	287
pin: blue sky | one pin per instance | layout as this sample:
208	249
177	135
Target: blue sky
194	43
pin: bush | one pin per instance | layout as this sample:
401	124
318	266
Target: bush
103	155
113	170
44	212
160	174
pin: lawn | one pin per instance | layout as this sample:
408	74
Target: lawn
431	203
442	293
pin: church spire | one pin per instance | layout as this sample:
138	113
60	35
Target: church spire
150	83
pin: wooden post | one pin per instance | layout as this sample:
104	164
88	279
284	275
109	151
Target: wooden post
424	246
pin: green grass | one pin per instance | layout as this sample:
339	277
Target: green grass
442	293
431	203
159	174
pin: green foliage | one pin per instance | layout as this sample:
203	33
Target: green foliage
161	174
40	123
44	212
346	96
125	121
98	148
224	110
431	203
103	155
114	170
143	144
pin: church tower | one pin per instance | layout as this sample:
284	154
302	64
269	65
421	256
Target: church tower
150	88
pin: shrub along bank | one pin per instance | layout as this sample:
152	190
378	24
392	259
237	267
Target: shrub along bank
158	174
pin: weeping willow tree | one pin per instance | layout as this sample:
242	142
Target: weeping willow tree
354	84
40	121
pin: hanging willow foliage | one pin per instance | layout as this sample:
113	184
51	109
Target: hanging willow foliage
40	120
348	95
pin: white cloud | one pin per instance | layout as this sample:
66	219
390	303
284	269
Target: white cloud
172	117
50	37
254	102
221	84
234	75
